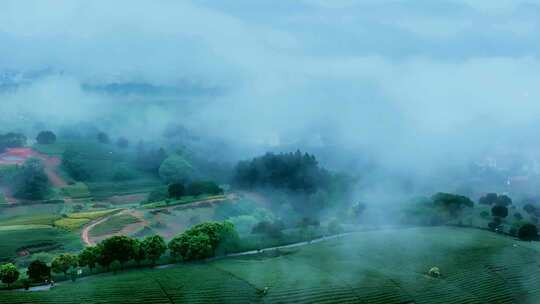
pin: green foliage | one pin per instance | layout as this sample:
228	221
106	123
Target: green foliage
32	183
203	240
139	254
451	203
89	257
148	159
495	199
176	190
11	140
203	187
291	171
154	247
158	194
103	138
272	229
385	267
500	211
9	273
63	262
488	199
175	169
87	161
116	248
528	232
503	200
38	271
46	138
34	238
77	190
123	172
122	143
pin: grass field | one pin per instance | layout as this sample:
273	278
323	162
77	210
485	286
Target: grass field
77	190
368	267
74	221
38	219
101	190
19	237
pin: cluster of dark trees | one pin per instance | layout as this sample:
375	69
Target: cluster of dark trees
452	204
177	190
31	181
309	188
149	159
290	171
12	140
204	240
495	199
46	138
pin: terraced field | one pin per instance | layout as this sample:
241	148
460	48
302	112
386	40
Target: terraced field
368	267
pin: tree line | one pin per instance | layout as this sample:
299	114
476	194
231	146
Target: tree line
202	241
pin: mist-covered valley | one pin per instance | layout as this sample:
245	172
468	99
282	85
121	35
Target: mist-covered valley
278	152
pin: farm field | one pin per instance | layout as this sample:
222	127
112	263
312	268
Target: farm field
387	266
102	190
33	238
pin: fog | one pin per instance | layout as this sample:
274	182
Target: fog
419	89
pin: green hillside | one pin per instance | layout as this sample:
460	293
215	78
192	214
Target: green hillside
386	266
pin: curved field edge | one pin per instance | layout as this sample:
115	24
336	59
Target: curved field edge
387	266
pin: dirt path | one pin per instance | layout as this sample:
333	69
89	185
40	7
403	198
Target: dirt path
50	165
85	236
85	233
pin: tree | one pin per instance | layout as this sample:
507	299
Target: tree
528	232
38	271
503	200
63	262
119	248
500	211
451	203
32	182
12	140
495	224
103	138
139	254
176	190
296	172
488	199
46	138
75	164
531	209
102	259
9	274
203	187
204	240
89	257
149	160
154	247
272	229
175	169
122	143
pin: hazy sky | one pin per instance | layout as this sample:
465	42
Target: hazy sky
412	82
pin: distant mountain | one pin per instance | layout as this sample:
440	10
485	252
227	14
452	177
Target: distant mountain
11	80
144	89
